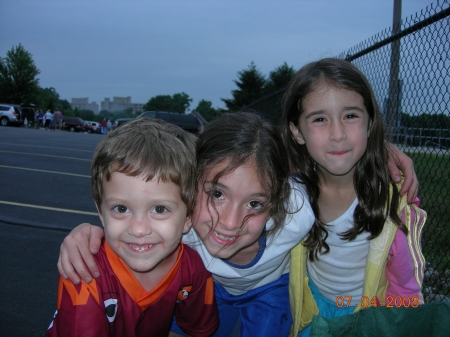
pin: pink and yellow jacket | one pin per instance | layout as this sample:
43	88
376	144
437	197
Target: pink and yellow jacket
395	267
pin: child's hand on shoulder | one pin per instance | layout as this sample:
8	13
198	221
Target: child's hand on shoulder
76	253
399	162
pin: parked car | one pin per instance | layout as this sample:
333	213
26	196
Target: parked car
119	121
72	124
92	127
28	113
10	114
193	122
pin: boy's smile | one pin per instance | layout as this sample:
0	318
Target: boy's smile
143	221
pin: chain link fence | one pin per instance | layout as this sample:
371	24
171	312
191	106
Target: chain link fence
408	67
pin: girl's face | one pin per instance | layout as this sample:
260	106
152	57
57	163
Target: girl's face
219	223
334	126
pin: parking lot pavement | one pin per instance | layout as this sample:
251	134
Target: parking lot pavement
28	279
44	192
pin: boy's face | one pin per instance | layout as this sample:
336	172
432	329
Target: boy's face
143	221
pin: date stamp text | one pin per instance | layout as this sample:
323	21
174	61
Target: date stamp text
391	302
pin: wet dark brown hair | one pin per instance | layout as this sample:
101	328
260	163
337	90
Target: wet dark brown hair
243	138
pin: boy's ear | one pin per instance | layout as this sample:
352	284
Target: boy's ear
187	225
296	133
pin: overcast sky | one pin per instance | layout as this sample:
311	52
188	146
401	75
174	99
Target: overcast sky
144	48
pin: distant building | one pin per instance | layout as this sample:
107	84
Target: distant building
83	104
121	103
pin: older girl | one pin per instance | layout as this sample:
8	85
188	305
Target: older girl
364	248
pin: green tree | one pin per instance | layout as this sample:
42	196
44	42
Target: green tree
251	83
125	113
206	110
426	120
48	98
65	107
178	102
86	115
279	78
104	114
158	103
18	77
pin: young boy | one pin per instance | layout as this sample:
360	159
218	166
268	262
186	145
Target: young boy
143	184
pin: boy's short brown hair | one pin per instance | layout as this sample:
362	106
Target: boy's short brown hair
150	148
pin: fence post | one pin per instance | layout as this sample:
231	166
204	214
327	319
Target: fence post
394	81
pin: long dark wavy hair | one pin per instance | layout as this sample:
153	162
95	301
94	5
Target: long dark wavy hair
371	178
241	138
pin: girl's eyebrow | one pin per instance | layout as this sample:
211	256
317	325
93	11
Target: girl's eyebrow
254	195
314	113
260	195
347	108
215	184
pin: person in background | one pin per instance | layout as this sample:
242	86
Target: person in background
57	120
103	126
47	119
108	126
39	119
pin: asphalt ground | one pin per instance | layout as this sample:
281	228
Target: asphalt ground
44	193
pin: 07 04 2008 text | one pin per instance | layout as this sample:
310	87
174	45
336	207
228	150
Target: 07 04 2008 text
391	302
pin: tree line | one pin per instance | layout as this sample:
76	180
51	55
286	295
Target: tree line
425	120
19	84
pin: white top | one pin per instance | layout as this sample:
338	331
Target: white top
340	272
272	261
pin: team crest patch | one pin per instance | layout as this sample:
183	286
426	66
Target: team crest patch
183	293
111	309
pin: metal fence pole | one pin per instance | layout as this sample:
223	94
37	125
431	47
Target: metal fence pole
393	110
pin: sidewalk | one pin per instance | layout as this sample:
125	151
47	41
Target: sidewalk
28	279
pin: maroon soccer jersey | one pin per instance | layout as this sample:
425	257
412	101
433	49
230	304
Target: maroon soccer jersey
115	304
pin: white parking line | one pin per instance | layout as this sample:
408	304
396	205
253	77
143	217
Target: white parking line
46	171
47	208
45	155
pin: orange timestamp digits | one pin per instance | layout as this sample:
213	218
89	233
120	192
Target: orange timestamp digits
405	301
391	302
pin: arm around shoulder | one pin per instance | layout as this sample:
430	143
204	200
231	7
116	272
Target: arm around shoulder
398	161
76	253
405	267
